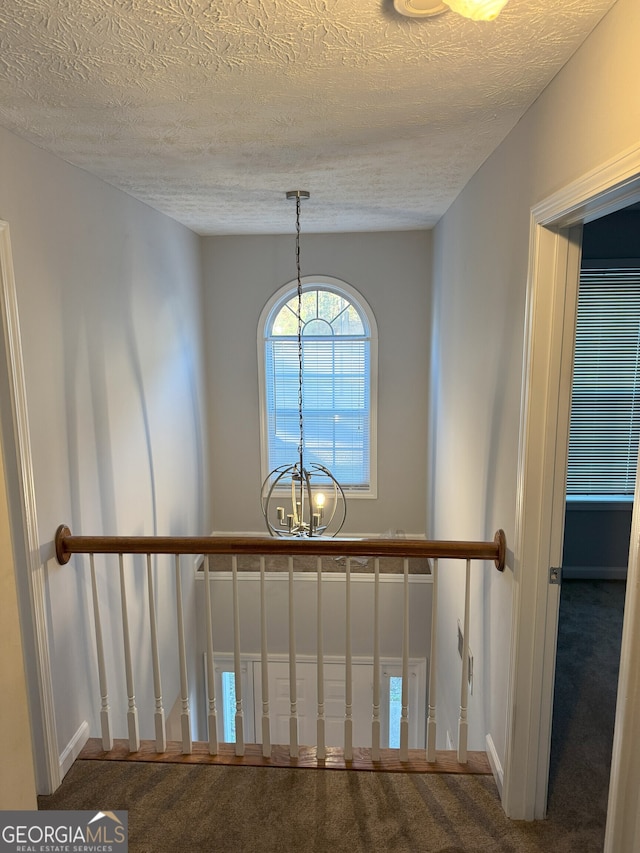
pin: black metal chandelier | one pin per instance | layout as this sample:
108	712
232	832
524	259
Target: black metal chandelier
302	500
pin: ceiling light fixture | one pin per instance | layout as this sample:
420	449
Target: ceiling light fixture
317	502
420	8
477	10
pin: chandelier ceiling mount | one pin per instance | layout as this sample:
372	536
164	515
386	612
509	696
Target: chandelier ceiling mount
476	10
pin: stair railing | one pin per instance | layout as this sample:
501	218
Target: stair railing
406	550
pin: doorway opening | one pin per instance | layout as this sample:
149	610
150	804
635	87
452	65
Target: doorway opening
556	236
603	450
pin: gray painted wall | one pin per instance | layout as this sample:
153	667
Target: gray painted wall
109	301
392	272
581	121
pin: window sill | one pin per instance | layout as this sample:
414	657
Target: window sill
350	494
594	503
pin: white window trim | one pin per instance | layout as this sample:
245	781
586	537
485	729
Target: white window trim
339	286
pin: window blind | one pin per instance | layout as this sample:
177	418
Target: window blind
336	404
605	402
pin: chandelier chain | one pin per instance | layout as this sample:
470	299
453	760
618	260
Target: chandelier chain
312	511
300	400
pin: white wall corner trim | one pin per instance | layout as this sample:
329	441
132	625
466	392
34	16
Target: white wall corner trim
495	763
73	749
40	694
554	260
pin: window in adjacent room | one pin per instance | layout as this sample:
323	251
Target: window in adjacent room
395	710
605	400
339	352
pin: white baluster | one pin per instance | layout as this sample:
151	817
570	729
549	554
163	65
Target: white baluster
348	687
431	718
105	711
266	726
321	753
185	716
464	687
132	711
212	717
237	663
375	724
404	719
159	720
293	687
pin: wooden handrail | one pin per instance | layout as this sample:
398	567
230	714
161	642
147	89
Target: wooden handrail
66	544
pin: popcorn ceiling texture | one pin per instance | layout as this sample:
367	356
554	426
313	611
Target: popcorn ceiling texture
210	111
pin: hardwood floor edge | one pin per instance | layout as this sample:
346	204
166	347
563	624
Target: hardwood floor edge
445	762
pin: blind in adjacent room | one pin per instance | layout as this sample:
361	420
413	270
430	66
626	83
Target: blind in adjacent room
605	402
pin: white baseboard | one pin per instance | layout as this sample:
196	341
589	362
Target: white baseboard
73	749
494	762
594	573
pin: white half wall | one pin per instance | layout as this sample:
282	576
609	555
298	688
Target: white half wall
392	272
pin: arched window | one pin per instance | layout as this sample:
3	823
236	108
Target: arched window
339	352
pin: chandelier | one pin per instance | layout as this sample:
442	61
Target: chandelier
302	500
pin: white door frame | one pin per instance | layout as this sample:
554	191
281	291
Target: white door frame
30	581
623	809
554	260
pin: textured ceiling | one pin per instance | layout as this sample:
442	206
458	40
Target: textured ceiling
210	111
